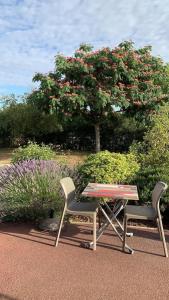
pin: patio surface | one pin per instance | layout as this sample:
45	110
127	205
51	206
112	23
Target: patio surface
32	268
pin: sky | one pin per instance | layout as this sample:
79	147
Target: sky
33	32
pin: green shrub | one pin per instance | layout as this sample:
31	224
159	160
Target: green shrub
29	189
106	167
146	179
33	151
153	155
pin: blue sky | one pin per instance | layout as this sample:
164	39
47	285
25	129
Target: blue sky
32	32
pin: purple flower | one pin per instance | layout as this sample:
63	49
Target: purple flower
32	184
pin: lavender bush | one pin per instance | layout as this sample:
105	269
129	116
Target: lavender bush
30	188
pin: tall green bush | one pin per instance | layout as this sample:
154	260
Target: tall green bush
153	155
106	167
33	151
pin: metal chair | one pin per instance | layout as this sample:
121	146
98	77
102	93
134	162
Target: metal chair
148	213
74	207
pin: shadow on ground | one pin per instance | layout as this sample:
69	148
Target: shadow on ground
6	297
73	235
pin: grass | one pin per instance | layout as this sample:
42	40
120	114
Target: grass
5	156
72	158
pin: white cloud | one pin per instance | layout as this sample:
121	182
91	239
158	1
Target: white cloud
33	31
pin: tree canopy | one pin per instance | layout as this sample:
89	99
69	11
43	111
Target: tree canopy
95	84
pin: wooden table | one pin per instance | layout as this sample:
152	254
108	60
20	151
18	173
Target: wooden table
120	194
115	191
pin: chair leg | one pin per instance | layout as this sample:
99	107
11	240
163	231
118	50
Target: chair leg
94	231
159	229
124	235
60	227
163	237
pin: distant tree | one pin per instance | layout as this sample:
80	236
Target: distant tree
95	84
22	121
12	99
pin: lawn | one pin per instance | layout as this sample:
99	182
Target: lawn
5	156
70	157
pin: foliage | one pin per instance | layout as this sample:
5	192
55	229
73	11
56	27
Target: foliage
146	179
118	133
29	189
33	151
17	126
157	138
106	167
7	100
153	154
154	149
92	84
17	123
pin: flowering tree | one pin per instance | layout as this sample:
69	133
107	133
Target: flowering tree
93	84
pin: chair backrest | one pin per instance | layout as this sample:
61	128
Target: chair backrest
68	189
157	192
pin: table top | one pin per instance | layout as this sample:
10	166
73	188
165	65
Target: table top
126	192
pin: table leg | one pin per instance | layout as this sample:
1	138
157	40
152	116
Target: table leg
102	229
114	215
99	217
131	251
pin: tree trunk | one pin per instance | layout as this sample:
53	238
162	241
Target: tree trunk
97	137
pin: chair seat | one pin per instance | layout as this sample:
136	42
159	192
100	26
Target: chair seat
83	208
140	212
